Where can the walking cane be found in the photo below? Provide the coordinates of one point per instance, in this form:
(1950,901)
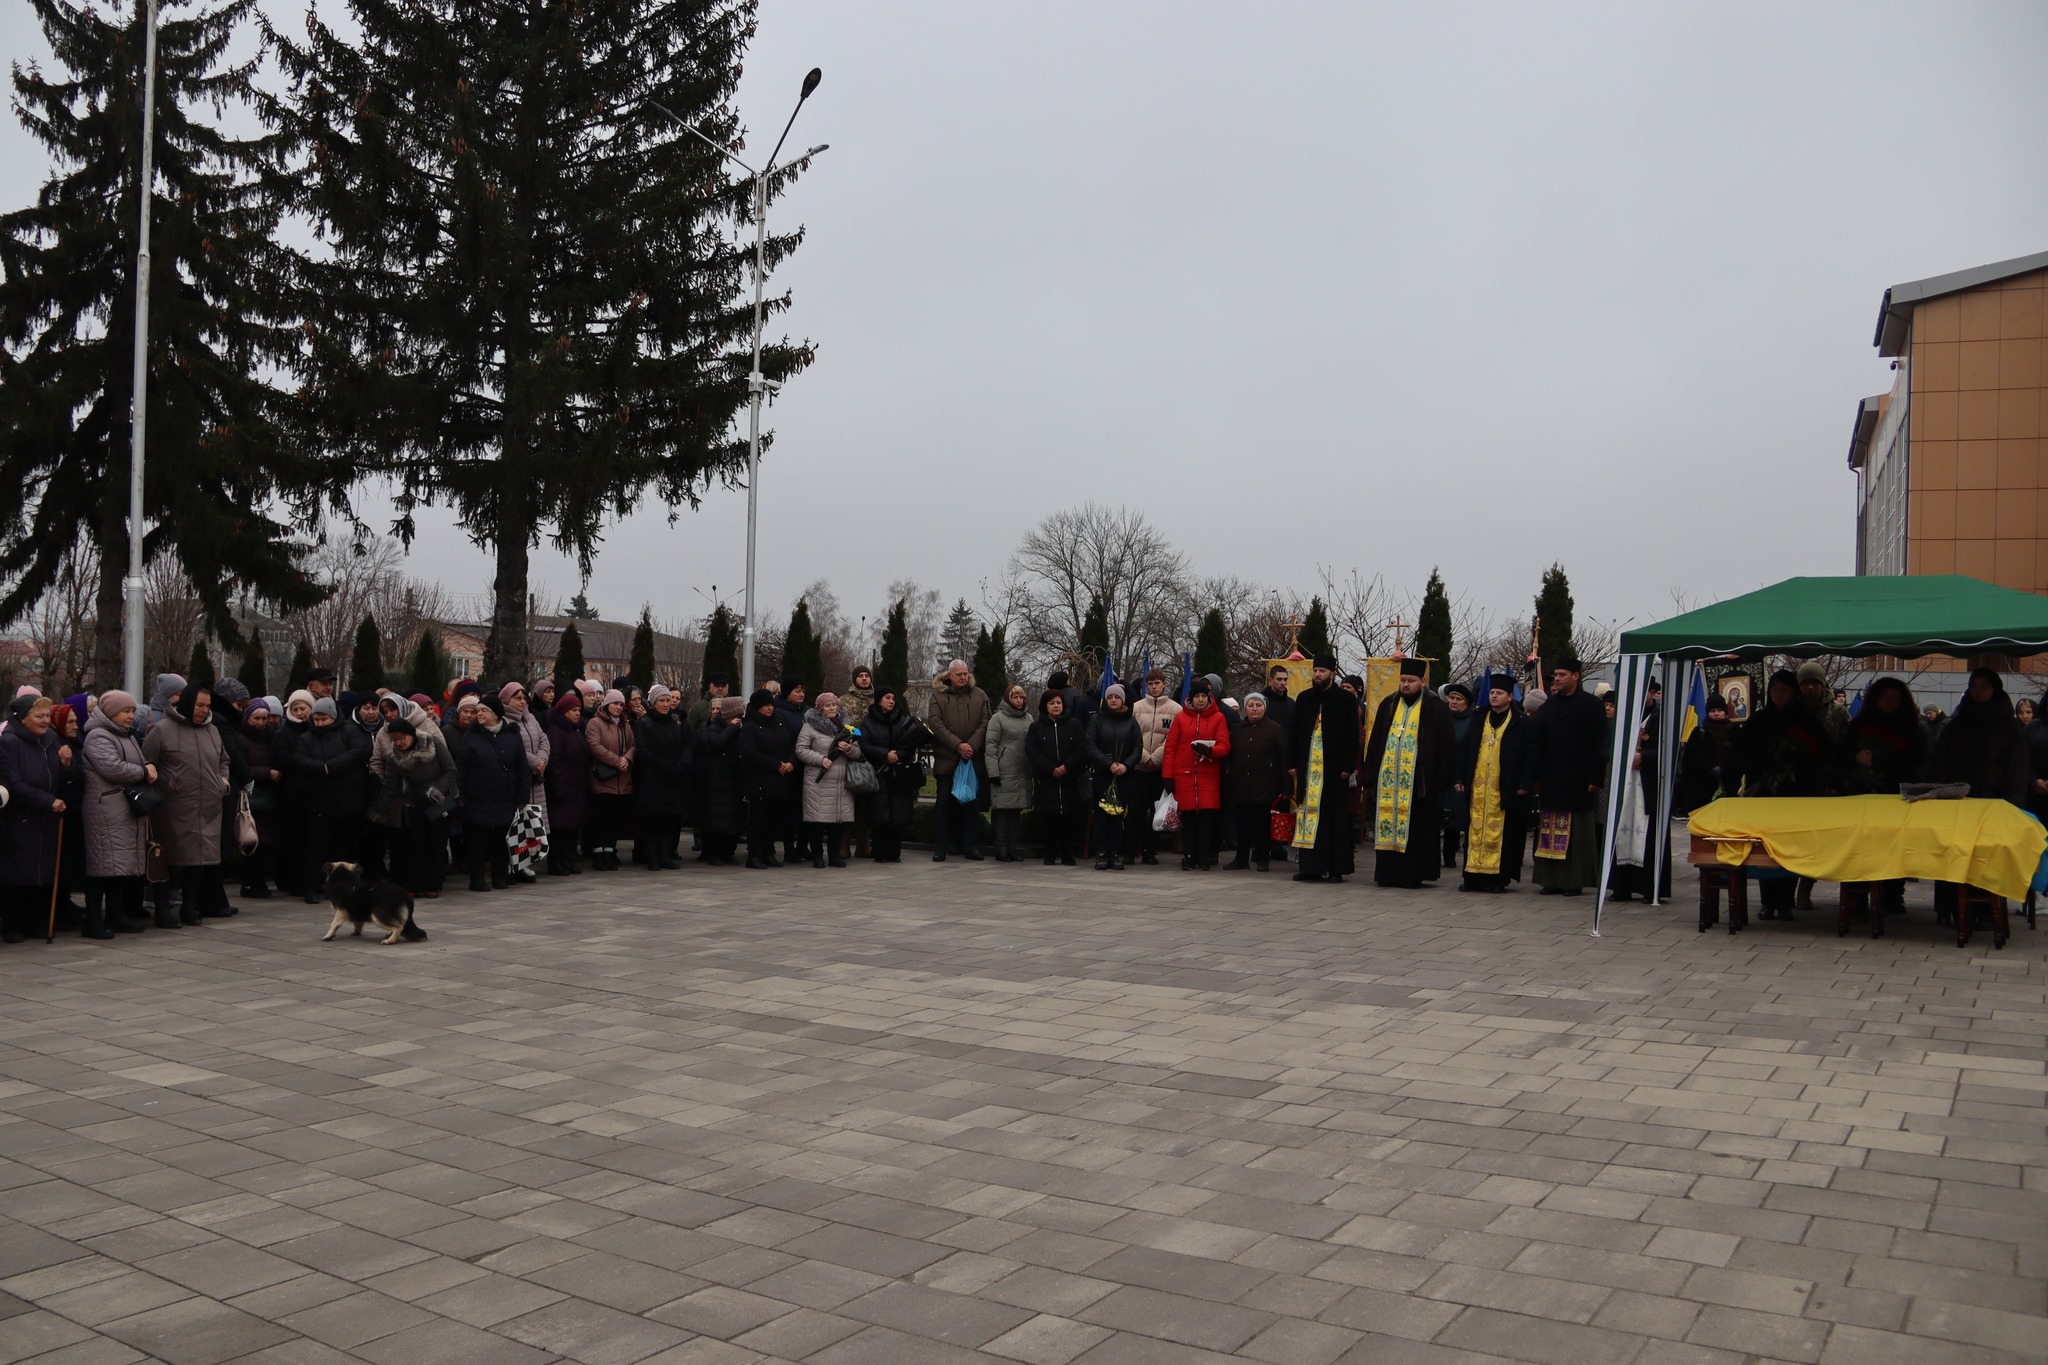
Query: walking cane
(56,876)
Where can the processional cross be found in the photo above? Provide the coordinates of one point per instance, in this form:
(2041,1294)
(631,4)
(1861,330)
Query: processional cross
(1397,625)
(1294,636)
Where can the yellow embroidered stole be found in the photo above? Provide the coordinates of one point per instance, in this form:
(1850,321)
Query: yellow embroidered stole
(1488,830)
(1397,777)
(1312,792)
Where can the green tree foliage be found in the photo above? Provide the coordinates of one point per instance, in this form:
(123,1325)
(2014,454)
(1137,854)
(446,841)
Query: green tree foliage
(721,649)
(1554,615)
(579,609)
(534,305)
(366,663)
(569,663)
(1315,629)
(641,667)
(430,667)
(961,632)
(224,481)
(801,656)
(253,672)
(199,672)
(1433,627)
(1212,647)
(892,670)
(1094,642)
(302,664)
(991,663)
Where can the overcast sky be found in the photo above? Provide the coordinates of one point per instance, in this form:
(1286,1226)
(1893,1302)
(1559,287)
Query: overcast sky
(1376,286)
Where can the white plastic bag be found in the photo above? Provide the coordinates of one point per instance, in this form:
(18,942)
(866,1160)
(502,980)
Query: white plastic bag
(1166,813)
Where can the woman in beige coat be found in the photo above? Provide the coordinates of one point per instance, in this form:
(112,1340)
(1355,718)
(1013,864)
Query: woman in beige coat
(192,769)
(609,734)
(823,747)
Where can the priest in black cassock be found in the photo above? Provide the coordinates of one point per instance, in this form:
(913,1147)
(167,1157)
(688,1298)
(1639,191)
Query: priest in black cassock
(1410,763)
(1325,760)
(1570,768)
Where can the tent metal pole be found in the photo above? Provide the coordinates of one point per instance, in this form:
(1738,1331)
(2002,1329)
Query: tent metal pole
(1629,691)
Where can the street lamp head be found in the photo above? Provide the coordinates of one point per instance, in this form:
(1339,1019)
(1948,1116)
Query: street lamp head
(811,82)
(821,147)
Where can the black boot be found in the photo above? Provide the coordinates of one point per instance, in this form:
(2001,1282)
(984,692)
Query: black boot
(95,917)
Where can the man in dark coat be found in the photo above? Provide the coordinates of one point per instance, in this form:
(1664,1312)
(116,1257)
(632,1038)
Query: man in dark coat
(767,753)
(1325,753)
(663,778)
(1570,742)
(1410,765)
(1279,705)
(789,713)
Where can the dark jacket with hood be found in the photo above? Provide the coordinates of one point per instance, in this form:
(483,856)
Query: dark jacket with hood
(715,764)
(490,764)
(1057,744)
(568,774)
(1896,743)
(904,735)
(1111,737)
(661,765)
(765,744)
(1983,745)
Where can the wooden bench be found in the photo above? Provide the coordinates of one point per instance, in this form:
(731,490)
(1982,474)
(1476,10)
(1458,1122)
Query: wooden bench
(1873,898)
(1717,876)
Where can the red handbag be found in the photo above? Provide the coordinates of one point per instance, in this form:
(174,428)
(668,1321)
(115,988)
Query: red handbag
(1283,820)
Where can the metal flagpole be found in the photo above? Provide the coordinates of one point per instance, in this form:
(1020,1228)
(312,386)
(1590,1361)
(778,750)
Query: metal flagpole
(138,395)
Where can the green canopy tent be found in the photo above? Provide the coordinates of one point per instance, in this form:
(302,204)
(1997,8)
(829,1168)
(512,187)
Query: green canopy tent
(1906,617)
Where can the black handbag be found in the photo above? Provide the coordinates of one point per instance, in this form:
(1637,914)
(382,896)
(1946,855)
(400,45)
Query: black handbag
(603,772)
(143,799)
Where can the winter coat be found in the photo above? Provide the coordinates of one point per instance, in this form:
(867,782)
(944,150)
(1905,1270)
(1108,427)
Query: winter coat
(611,744)
(764,745)
(329,770)
(2037,764)
(1111,737)
(1197,777)
(112,758)
(568,774)
(716,768)
(534,737)
(1057,744)
(826,799)
(423,723)
(661,765)
(1258,764)
(1009,766)
(958,716)
(1897,746)
(284,742)
(1983,744)
(1567,752)
(1280,709)
(490,765)
(417,784)
(1154,718)
(904,735)
(192,768)
(34,778)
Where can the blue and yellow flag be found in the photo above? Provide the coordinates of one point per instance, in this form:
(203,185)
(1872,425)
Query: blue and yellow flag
(1695,705)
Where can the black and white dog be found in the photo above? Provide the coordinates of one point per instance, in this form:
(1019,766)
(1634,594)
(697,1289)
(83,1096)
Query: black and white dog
(384,904)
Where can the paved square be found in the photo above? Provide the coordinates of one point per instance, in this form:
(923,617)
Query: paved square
(928,1114)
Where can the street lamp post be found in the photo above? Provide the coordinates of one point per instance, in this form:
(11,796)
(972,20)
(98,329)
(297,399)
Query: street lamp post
(758,385)
(138,388)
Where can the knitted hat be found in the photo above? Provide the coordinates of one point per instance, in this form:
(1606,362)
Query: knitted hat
(275,705)
(400,727)
(1113,690)
(258,707)
(325,707)
(230,691)
(302,695)
(825,699)
(728,707)
(614,695)
(762,697)
(114,702)
(1812,671)
(657,692)
(511,690)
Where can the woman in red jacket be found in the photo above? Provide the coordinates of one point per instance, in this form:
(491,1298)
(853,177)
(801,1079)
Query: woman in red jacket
(1196,745)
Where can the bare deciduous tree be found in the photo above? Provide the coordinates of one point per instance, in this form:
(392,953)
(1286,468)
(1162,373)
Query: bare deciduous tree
(1082,552)
(66,622)
(1362,612)
(171,617)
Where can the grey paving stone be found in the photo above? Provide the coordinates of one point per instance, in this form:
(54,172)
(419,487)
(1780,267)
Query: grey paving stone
(195,1332)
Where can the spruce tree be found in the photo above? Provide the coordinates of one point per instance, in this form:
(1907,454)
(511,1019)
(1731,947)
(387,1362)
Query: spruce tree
(1315,629)
(302,664)
(568,658)
(1094,642)
(534,306)
(223,476)
(579,609)
(199,672)
(252,673)
(1212,647)
(892,670)
(721,649)
(641,667)
(1433,627)
(801,656)
(366,664)
(1554,617)
(960,634)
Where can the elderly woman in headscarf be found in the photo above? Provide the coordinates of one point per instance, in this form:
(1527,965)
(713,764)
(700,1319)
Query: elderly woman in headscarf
(609,733)
(114,833)
(34,774)
(662,779)
(192,766)
(568,784)
(823,747)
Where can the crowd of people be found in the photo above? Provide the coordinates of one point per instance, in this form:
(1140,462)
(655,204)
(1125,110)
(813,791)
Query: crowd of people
(144,810)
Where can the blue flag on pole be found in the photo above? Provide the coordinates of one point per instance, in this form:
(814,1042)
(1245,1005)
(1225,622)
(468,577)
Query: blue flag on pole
(1108,677)
(1187,676)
